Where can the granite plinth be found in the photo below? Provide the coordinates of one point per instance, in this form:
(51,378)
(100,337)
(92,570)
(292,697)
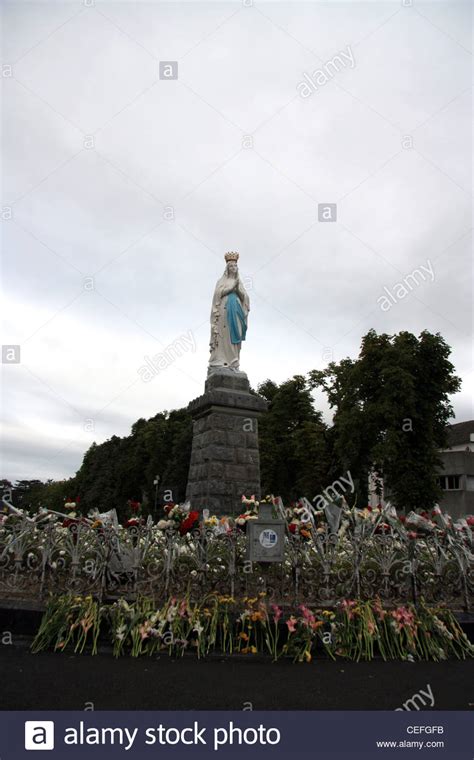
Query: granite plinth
(225,460)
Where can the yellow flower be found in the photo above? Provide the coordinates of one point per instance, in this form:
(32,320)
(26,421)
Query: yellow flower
(307,656)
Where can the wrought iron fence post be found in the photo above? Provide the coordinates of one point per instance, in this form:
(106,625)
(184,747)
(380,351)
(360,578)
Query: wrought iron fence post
(232,563)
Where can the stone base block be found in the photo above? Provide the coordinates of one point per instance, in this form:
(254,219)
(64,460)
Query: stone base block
(225,460)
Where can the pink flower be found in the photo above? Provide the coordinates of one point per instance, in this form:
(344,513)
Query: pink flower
(277,613)
(404,617)
(307,614)
(347,605)
(291,623)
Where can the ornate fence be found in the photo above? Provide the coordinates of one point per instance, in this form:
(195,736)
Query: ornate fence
(108,562)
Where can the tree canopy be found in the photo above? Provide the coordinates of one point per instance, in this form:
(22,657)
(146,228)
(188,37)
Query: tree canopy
(392,408)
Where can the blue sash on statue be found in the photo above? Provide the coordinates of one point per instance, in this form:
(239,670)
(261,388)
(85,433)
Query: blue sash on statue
(236,318)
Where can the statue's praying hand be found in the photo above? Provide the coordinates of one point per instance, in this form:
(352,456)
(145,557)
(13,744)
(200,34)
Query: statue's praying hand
(230,308)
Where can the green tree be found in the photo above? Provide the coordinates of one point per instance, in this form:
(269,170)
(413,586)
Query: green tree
(123,468)
(294,453)
(392,406)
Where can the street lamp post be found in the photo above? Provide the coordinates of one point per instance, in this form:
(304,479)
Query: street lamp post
(156,483)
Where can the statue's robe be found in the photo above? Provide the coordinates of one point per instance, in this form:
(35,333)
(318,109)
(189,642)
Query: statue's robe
(230,307)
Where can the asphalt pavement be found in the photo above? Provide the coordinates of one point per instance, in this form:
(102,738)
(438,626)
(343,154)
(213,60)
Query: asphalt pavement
(55,681)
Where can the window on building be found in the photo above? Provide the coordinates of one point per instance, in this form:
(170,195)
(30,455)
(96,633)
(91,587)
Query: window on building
(450,482)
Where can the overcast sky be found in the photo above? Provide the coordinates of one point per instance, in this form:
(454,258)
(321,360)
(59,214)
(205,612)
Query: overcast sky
(126,190)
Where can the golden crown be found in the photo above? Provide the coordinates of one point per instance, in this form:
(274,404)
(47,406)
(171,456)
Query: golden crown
(231,256)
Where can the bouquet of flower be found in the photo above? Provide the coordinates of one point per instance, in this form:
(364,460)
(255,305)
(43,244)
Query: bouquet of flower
(179,518)
(73,515)
(134,520)
(299,523)
(217,525)
(250,513)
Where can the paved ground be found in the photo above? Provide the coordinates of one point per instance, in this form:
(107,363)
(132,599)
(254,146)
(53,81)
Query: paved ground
(61,681)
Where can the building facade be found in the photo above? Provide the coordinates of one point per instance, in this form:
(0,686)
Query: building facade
(456,476)
(457,472)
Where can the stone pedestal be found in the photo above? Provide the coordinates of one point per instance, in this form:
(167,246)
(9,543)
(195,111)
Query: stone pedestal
(225,461)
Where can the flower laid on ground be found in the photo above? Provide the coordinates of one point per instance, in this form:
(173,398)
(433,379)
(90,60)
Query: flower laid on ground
(354,630)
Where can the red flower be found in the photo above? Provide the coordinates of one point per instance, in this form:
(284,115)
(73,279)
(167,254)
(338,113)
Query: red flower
(292,527)
(189,523)
(412,534)
(168,507)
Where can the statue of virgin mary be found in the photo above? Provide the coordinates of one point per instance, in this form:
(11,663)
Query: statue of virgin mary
(230,308)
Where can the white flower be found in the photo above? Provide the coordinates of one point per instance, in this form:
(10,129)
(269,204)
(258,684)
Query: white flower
(171,613)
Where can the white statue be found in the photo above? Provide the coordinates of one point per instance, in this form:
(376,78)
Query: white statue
(230,308)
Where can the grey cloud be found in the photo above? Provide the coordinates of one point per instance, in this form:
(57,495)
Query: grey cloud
(99,212)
